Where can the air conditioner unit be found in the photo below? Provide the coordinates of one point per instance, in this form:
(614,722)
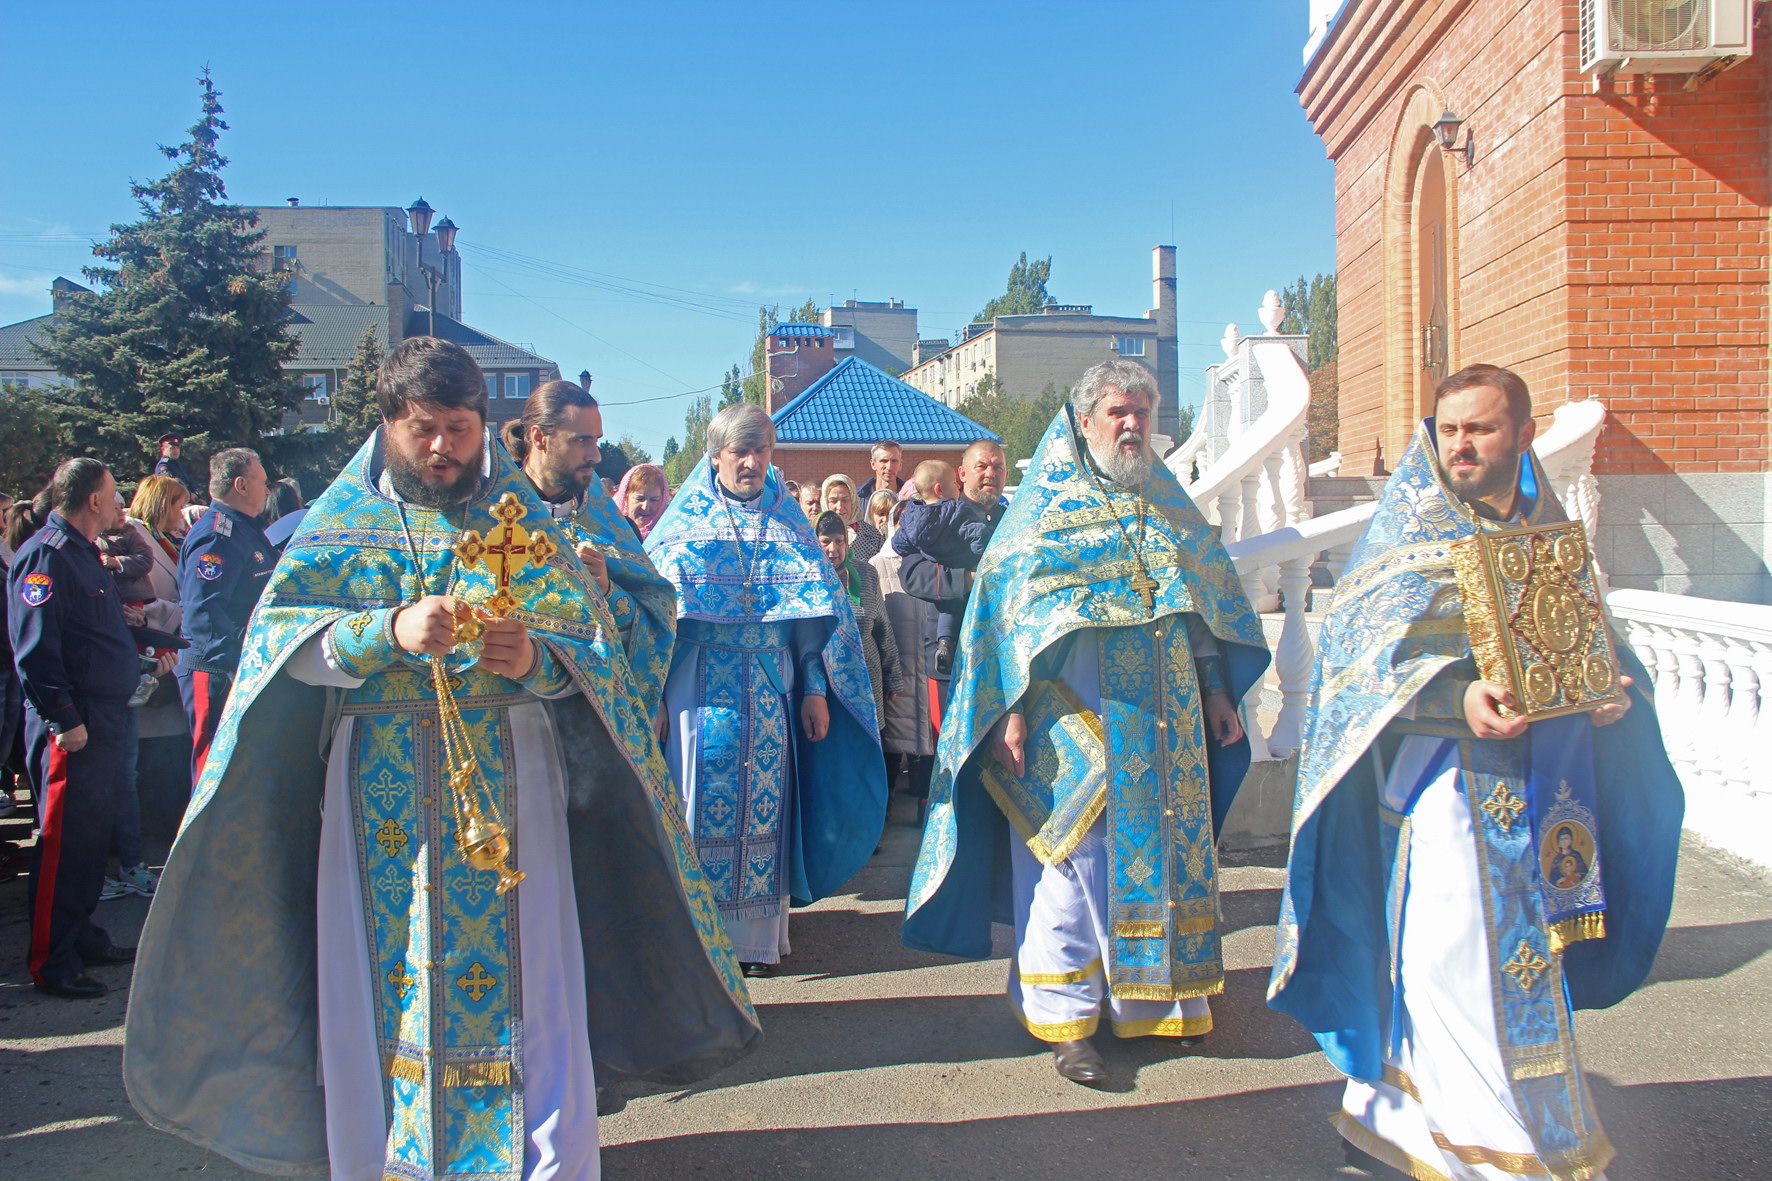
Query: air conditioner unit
(1662,36)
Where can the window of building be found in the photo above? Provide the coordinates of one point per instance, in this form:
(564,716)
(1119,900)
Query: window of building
(16,377)
(492,385)
(1129,346)
(516,385)
(845,338)
(315,384)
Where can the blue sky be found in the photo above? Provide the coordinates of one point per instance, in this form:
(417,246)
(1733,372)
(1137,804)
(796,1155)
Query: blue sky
(632,180)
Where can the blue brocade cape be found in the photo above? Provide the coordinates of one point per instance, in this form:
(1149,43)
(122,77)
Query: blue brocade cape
(1058,564)
(1396,623)
(839,807)
(221,1045)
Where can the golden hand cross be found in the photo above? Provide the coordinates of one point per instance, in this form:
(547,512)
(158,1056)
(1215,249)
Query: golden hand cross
(504,551)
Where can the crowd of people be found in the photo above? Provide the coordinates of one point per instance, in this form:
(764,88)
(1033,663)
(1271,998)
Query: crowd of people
(470,673)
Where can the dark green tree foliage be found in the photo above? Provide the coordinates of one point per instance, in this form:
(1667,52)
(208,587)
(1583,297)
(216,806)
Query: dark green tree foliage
(731,387)
(615,462)
(695,434)
(636,454)
(670,450)
(1026,292)
(1019,421)
(188,331)
(1310,308)
(30,441)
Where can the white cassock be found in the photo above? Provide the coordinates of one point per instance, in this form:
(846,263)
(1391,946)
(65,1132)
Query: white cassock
(1057,977)
(559,1090)
(1445,1099)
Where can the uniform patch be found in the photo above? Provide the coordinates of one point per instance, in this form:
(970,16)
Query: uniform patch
(224,526)
(209,567)
(36,589)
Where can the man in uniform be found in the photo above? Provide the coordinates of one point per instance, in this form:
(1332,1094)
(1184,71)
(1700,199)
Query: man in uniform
(222,568)
(335,973)
(169,463)
(77,661)
(1093,708)
(1422,937)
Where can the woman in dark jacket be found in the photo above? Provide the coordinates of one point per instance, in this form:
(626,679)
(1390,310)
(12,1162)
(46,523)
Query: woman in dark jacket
(909,729)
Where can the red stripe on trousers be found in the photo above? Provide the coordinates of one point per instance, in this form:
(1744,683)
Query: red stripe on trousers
(49,837)
(203,731)
(935,706)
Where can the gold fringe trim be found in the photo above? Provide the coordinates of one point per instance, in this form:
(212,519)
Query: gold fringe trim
(1056,1031)
(407,1070)
(1060,852)
(1164,1027)
(477,1074)
(1357,1134)
(1540,1068)
(1577,928)
(1077,977)
(1138,929)
(1401,1081)
(1197,926)
(1165,992)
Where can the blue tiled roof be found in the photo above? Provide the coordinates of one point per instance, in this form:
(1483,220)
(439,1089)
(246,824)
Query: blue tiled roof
(803,330)
(855,403)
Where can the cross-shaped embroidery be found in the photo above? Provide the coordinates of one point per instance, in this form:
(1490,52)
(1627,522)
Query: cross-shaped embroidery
(1503,806)
(1526,966)
(391,837)
(401,979)
(476,982)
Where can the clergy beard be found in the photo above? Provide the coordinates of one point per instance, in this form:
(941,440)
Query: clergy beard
(1131,470)
(411,485)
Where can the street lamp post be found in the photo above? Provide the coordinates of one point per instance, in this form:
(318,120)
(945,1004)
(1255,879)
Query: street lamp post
(419,213)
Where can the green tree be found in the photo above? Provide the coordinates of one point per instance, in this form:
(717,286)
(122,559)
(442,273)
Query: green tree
(1310,308)
(731,387)
(636,454)
(1025,293)
(188,332)
(670,450)
(354,416)
(615,462)
(695,432)
(1019,422)
(30,440)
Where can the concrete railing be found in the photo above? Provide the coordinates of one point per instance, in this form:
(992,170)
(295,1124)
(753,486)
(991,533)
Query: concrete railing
(1711,663)
(1565,449)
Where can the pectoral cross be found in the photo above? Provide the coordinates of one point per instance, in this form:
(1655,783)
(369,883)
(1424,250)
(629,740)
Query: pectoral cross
(1146,587)
(504,551)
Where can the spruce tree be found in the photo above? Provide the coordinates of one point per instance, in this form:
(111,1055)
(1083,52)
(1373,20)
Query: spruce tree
(188,331)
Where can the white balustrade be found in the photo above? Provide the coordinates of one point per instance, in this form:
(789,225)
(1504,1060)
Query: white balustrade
(1711,664)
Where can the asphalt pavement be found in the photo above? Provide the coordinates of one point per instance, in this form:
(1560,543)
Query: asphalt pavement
(880,1062)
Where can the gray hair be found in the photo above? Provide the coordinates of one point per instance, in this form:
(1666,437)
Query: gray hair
(743,425)
(1129,377)
(227,466)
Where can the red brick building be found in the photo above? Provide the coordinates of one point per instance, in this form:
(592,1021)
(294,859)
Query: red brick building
(1606,235)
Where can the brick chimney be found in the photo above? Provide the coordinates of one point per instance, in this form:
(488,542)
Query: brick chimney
(61,289)
(795,356)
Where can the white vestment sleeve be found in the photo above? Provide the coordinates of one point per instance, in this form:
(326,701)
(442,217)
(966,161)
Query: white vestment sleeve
(314,663)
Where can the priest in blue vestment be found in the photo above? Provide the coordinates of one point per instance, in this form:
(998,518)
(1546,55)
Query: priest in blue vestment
(771,722)
(1436,934)
(1092,745)
(330,977)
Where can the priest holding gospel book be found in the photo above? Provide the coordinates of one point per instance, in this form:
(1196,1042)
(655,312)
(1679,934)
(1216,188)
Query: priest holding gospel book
(1468,865)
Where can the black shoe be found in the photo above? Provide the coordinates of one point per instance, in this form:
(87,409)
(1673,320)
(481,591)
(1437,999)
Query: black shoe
(757,971)
(111,954)
(609,1101)
(80,988)
(1079,1062)
(1363,1164)
(944,657)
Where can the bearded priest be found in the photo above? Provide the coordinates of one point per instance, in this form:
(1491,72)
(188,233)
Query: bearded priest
(326,981)
(1093,746)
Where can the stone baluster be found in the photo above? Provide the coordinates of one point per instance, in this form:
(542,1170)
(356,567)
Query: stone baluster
(1228,505)
(1738,754)
(1336,559)
(1760,737)
(1293,658)
(1687,701)
(1710,753)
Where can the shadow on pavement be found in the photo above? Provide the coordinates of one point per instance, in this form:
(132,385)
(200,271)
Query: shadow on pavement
(1707,953)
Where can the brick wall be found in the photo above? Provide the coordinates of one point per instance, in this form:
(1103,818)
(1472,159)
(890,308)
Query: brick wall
(802,466)
(1609,244)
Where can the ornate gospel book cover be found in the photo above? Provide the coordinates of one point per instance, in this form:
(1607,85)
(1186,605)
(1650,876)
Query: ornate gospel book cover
(1536,620)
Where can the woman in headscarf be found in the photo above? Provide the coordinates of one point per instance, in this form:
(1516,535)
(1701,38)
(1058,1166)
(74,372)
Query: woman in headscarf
(878,648)
(839,497)
(642,495)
